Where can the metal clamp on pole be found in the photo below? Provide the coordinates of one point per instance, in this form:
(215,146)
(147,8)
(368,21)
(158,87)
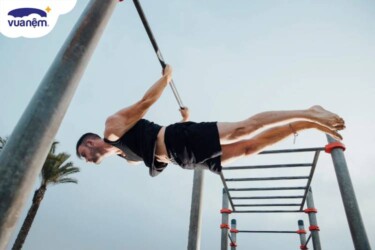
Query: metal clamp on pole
(310,210)
(225,211)
(233,244)
(332,145)
(314,228)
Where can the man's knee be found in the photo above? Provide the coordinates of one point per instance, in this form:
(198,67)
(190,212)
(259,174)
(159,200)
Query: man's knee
(237,133)
(244,129)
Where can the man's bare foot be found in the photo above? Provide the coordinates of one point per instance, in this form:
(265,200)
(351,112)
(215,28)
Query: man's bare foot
(330,132)
(326,118)
(302,125)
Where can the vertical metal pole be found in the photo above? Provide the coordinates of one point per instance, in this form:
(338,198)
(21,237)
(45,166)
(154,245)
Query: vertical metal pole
(302,234)
(313,221)
(22,158)
(233,234)
(196,211)
(224,222)
(349,199)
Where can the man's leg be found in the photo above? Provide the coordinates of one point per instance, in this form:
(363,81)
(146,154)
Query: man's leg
(230,132)
(267,138)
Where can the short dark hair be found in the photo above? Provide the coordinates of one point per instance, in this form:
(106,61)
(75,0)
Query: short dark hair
(83,139)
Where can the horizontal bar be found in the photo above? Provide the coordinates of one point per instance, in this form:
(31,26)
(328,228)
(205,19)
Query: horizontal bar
(267,197)
(292,150)
(268,211)
(269,205)
(265,189)
(269,178)
(297,165)
(271,232)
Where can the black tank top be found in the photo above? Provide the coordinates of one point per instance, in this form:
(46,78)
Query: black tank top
(139,143)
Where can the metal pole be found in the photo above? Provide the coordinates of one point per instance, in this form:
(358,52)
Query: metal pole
(196,211)
(226,188)
(195,214)
(22,158)
(312,170)
(302,234)
(156,48)
(224,222)
(313,221)
(353,214)
(233,234)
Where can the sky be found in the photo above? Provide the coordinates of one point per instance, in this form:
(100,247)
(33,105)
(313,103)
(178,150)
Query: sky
(231,59)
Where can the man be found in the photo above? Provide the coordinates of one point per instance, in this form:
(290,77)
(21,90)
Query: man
(209,144)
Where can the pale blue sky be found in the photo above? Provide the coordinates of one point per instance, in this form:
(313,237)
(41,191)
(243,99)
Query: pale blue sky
(230,60)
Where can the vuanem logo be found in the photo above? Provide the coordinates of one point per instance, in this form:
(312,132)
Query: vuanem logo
(26,12)
(31,18)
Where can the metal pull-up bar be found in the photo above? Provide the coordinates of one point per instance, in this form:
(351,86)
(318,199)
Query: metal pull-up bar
(156,49)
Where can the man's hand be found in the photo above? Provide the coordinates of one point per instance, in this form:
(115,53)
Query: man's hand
(185,114)
(167,72)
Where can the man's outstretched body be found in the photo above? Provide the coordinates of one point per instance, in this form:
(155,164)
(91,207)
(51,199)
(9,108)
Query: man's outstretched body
(187,144)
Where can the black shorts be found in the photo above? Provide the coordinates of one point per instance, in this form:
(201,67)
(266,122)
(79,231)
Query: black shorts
(190,144)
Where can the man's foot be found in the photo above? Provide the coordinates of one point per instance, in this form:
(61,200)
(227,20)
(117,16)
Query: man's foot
(299,126)
(330,132)
(326,118)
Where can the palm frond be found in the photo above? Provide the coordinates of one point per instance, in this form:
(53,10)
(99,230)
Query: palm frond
(67,180)
(55,170)
(53,147)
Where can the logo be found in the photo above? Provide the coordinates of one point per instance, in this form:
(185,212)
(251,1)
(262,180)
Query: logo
(26,12)
(31,18)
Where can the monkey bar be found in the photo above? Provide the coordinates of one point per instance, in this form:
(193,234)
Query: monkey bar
(231,194)
(335,148)
(301,198)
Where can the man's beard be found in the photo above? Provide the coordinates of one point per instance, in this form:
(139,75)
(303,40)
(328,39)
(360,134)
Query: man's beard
(96,155)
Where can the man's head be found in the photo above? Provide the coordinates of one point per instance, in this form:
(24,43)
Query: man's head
(91,147)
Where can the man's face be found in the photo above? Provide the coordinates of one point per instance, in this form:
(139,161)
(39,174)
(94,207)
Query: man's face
(91,153)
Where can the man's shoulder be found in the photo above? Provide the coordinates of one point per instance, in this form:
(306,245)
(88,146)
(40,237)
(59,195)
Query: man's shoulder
(115,127)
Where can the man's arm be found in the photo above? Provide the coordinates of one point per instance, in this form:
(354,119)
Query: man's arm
(119,123)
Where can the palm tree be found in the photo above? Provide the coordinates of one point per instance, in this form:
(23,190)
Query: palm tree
(55,171)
